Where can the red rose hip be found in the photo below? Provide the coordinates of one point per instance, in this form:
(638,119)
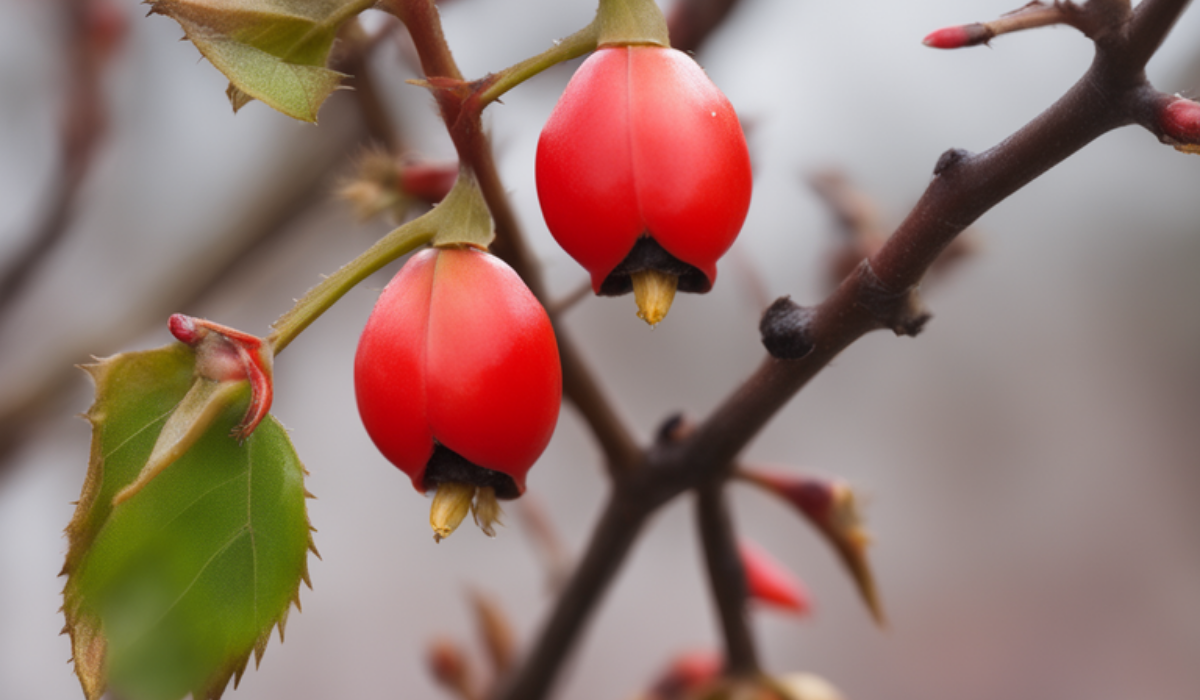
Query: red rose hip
(643,174)
(458,381)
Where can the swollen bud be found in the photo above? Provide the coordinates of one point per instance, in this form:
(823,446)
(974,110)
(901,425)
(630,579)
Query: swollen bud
(384,185)
(1180,122)
(832,507)
(448,665)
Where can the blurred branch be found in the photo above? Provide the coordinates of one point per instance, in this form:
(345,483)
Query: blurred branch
(531,511)
(727,578)
(628,508)
(561,306)
(93,30)
(691,22)
(299,184)
(355,60)
(862,229)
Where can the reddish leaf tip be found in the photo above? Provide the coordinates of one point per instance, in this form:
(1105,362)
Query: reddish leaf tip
(770,583)
(958,37)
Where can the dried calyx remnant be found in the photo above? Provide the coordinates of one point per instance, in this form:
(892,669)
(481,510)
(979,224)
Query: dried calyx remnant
(653,275)
(463,486)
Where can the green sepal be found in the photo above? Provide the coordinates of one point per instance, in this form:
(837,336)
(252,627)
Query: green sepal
(630,23)
(275,51)
(170,591)
(463,218)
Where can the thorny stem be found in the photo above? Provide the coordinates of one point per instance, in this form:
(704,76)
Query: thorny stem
(318,299)
(459,218)
(573,46)
(727,577)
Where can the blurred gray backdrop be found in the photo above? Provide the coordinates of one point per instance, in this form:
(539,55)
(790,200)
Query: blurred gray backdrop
(1031,462)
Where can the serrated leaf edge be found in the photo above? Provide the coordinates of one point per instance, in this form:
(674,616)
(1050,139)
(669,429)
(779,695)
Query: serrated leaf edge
(237,666)
(88,645)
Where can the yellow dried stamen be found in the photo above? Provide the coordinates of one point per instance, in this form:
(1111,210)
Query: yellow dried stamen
(450,506)
(486,510)
(653,291)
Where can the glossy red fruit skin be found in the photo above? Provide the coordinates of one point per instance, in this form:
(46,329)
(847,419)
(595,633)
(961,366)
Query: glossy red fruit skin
(642,143)
(459,351)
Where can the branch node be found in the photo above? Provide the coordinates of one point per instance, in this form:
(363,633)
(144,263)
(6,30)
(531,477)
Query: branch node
(676,428)
(903,312)
(786,329)
(949,159)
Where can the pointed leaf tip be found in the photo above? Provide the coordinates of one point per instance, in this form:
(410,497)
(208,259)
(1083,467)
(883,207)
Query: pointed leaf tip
(769,582)
(833,508)
(275,52)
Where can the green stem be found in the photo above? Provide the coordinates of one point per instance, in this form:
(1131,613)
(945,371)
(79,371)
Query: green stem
(576,45)
(318,299)
(461,219)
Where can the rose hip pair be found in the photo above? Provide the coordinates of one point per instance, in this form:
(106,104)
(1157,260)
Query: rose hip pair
(643,174)
(644,178)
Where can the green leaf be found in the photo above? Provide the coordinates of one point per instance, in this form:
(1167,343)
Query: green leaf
(271,50)
(170,591)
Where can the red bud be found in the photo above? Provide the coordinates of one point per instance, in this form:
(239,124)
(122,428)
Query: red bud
(448,664)
(959,37)
(1180,122)
(428,181)
(227,354)
(688,673)
(769,582)
(832,507)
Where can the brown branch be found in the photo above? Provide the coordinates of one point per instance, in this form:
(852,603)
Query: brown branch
(629,507)
(560,306)
(1152,21)
(545,538)
(728,579)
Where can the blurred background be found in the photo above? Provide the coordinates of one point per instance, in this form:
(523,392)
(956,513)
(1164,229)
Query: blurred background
(1031,462)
